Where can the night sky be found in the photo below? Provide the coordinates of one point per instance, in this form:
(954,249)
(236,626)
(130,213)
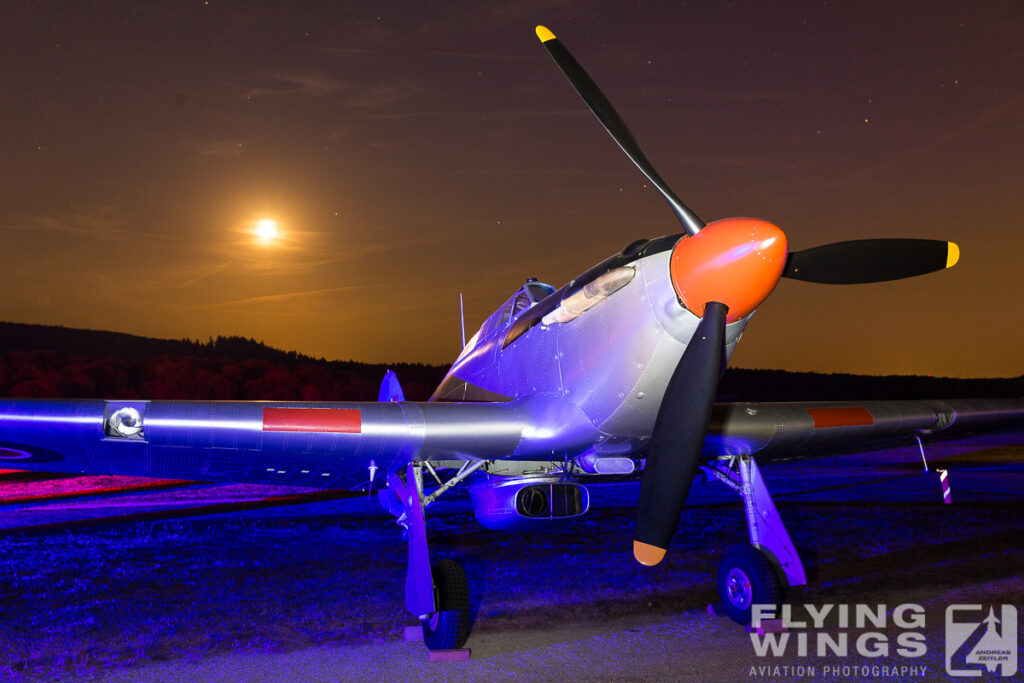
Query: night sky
(409,151)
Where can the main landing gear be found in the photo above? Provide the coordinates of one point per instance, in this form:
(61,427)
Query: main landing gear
(437,595)
(448,627)
(759,573)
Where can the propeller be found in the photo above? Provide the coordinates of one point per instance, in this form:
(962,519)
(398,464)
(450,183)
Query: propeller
(861,261)
(721,272)
(674,450)
(841,263)
(616,127)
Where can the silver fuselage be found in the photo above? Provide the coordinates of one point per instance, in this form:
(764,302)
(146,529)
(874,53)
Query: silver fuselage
(609,366)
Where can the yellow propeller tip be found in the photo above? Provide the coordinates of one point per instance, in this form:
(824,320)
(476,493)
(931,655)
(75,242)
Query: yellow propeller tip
(952,254)
(647,554)
(544,34)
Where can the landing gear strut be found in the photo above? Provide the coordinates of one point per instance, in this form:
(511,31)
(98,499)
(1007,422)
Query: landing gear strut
(438,596)
(759,573)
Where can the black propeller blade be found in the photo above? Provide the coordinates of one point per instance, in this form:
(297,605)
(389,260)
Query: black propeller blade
(862,261)
(674,451)
(616,127)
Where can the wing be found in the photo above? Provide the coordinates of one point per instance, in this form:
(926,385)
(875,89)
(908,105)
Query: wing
(332,445)
(776,431)
(308,444)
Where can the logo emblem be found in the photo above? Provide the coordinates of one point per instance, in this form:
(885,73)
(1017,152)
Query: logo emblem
(976,641)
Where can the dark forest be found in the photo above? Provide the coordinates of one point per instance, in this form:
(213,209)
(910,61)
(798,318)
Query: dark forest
(39,361)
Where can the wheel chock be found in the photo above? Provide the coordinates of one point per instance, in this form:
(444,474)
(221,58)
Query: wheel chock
(715,609)
(768,626)
(413,634)
(461,655)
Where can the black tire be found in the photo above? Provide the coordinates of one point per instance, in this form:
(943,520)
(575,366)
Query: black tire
(746,577)
(448,628)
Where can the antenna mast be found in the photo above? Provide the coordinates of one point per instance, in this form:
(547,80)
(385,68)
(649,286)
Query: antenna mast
(462,320)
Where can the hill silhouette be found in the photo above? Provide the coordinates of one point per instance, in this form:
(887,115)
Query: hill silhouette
(71,341)
(46,361)
(49,361)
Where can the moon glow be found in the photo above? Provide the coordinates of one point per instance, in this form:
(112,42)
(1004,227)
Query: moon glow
(266,230)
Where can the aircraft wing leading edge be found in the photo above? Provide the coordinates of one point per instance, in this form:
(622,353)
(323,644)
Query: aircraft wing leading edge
(779,431)
(309,444)
(332,445)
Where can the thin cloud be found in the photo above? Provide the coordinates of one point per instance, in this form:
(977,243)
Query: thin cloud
(305,254)
(202,276)
(222,148)
(486,56)
(98,224)
(927,146)
(85,224)
(289,296)
(475,113)
(704,95)
(380,96)
(303,83)
(340,50)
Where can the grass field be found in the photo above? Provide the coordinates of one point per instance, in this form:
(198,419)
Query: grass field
(82,602)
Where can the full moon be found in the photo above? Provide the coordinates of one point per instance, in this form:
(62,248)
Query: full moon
(266,230)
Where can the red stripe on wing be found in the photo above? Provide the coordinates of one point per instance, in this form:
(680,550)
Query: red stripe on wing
(840,417)
(339,420)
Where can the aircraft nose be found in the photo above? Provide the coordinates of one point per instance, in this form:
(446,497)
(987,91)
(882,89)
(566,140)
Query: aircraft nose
(735,261)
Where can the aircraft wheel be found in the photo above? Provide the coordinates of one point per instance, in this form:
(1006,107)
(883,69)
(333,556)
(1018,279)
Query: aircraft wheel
(448,628)
(745,578)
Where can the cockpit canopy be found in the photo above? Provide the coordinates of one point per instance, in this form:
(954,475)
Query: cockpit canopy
(527,296)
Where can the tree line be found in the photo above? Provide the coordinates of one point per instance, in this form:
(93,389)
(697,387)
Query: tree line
(38,361)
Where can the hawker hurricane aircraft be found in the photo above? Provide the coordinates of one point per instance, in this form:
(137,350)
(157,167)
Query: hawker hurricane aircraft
(613,373)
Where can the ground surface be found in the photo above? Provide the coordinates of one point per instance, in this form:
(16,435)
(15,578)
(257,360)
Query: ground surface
(313,590)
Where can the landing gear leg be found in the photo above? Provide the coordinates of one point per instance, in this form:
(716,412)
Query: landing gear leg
(759,573)
(438,596)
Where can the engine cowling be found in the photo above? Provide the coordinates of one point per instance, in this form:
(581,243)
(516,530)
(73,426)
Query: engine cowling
(532,503)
